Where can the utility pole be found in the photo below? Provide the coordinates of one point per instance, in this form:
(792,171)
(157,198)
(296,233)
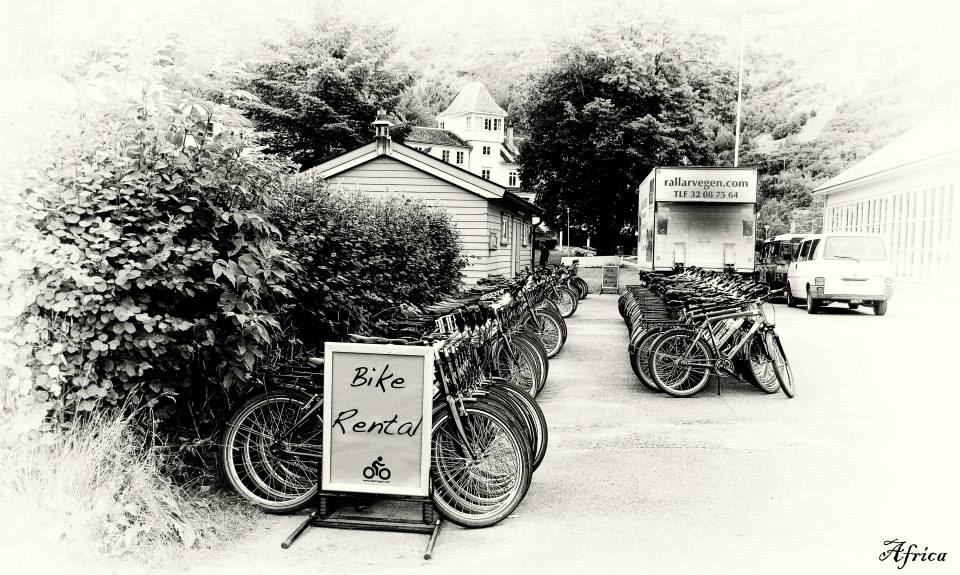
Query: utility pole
(568,227)
(736,138)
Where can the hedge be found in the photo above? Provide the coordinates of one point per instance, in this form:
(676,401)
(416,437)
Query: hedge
(175,260)
(359,257)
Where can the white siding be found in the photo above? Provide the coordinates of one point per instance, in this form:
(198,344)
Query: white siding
(386,176)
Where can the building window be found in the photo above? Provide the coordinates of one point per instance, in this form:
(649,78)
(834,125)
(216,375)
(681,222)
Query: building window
(512,179)
(485,173)
(526,234)
(486,150)
(468,122)
(486,123)
(445,156)
(459,157)
(496,124)
(504,228)
(441,126)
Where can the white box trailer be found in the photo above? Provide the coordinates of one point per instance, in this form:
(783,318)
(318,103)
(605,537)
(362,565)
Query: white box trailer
(697,216)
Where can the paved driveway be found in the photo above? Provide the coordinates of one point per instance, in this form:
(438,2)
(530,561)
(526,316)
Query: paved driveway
(737,483)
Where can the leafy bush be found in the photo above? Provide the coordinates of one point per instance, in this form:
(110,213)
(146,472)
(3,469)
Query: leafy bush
(359,256)
(159,267)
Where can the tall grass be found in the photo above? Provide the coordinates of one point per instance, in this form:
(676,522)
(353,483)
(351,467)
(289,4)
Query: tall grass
(100,486)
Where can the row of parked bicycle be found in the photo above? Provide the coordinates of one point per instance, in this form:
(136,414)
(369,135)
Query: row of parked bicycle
(687,327)
(492,347)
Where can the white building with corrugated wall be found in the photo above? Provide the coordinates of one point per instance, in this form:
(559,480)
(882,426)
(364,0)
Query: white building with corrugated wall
(908,193)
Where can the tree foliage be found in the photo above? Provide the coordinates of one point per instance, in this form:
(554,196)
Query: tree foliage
(319,94)
(607,111)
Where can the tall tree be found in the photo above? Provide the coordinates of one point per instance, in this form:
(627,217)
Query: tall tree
(318,96)
(608,110)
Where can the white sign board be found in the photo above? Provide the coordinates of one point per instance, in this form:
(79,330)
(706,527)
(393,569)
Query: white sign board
(728,185)
(377,418)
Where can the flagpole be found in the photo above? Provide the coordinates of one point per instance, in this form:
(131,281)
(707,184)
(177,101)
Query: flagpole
(736,143)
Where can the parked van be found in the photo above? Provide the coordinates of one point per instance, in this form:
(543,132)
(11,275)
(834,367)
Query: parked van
(775,256)
(850,268)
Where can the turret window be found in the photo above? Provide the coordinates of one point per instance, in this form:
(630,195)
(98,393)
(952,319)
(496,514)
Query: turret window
(486,123)
(496,124)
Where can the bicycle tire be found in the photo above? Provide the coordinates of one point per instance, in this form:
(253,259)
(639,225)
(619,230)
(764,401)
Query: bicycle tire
(566,301)
(270,481)
(537,344)
(673,379)
(539,420)
(756,366)
(556,315)
(550,333)
(485,493)
(523,370)
(582,287)
(639,359)
(781,366)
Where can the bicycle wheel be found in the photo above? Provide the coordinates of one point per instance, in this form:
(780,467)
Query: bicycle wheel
(781,367)
(536,418)
(552,311)
(566,301)
(665,362)
(582,287)
(639,359)
(519,365)
(252,455)
(757,367)
(550,332)
(537,345)
(479,490)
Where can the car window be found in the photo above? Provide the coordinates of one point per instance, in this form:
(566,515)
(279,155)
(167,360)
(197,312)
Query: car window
(804,250)
(854,247)
(813,249)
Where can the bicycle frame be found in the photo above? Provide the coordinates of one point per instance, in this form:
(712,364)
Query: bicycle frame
(708,322)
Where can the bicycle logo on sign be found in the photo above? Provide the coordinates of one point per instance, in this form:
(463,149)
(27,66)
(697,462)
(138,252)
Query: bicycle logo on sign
(377,469)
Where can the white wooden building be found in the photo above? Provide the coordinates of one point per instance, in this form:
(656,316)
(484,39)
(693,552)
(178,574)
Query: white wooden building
(909,192)
(495,225)
(472,133)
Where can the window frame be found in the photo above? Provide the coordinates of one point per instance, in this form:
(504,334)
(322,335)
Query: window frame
(485,150)
(445,156)
(512,178)
(488,173)
(504,229)
(459,156)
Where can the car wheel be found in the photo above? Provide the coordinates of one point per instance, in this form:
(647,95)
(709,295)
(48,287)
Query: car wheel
(879,308)
(811,303)
(853,305)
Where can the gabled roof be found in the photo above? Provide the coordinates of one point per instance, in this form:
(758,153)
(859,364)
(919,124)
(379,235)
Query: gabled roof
(426,163)
(473,98)
(434,137)
(921,143)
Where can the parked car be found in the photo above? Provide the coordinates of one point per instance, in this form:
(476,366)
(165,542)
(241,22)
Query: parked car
(850,268)
(774,258)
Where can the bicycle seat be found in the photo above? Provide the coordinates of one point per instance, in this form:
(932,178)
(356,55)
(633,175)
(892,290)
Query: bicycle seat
(355,338)
(315,361)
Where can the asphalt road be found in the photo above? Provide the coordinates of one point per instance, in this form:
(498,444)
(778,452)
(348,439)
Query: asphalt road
(740,482)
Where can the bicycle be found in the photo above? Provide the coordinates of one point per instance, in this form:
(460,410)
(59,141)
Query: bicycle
(683,358)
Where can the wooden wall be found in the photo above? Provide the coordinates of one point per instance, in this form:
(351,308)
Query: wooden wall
(468,211)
